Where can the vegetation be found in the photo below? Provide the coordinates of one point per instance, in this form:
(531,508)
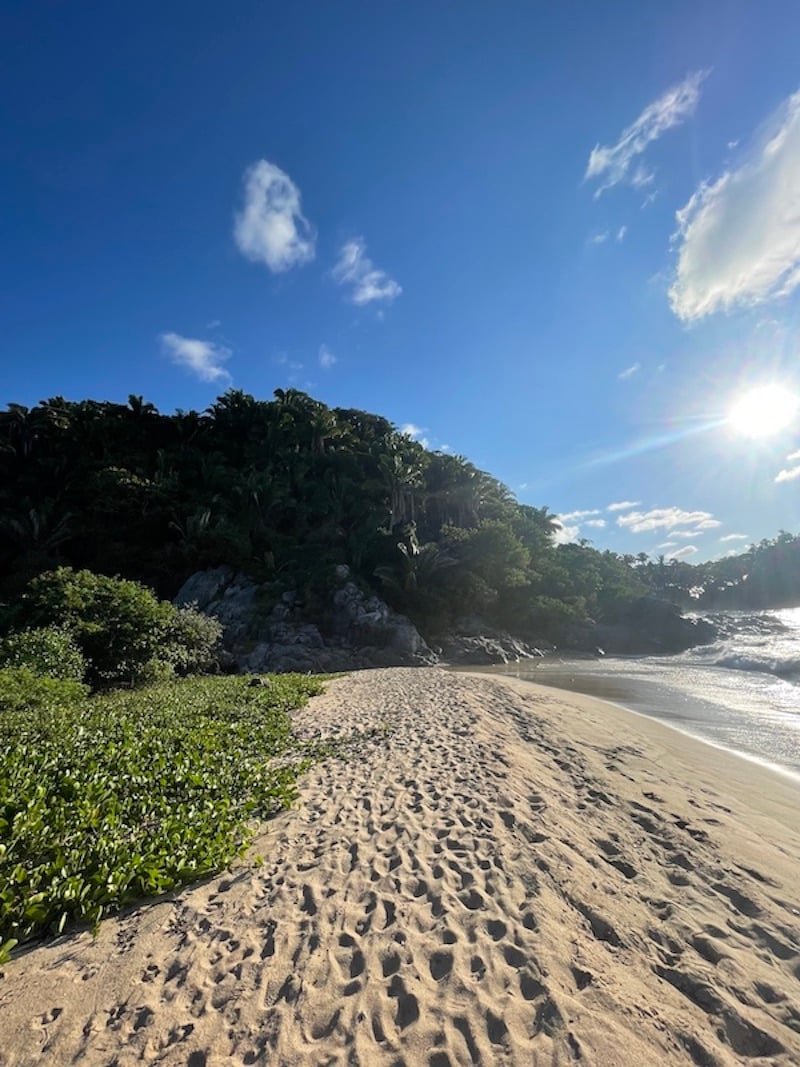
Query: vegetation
(110,798)
(283,490)
(51,651)
(765,575)
(114,631)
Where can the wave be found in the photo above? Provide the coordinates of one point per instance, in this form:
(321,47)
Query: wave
(788,669)
(766,642)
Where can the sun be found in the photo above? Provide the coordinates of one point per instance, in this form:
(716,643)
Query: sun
(764,411)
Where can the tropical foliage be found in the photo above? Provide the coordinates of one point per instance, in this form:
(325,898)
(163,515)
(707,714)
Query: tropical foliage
(281,489)
(113,631)
(285,488)
(110,798)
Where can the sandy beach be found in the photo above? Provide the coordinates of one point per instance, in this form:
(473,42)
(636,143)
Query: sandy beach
(497,874)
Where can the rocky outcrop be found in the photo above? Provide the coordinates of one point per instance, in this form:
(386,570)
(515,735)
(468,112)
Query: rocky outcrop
(261,635)
(649,626)
(474,642)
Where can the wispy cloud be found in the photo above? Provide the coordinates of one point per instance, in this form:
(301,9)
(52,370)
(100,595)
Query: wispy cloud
(612,164)
(623,505)
(326,357)
(356,269)
(739,238)
(734,537)
(270,227)
(788,474)
(667,519)
(682,553)
(621,233)
(668,544)
(599,238)
(416,433)
(572,522)
(571,516)
(629,372)
(202,358)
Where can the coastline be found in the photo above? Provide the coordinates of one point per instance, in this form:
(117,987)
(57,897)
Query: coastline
(747,714)
(501,872)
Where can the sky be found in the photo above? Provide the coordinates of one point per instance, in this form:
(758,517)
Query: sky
(562,240)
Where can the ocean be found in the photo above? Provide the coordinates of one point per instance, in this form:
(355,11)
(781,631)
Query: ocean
(741,693)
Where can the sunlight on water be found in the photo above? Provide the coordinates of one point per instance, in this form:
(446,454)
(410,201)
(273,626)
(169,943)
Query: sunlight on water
(742,692)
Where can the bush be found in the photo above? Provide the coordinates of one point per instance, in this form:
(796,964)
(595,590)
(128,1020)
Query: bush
(49,651)
(24,691)
(192,641)
(120,626)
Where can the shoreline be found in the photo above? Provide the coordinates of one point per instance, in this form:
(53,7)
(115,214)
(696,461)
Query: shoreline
(729,710)
(769,766)
(500,872)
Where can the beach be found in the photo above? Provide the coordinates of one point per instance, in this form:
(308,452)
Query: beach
(494,873)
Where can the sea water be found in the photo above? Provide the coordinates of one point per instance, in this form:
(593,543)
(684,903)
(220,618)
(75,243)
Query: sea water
(741,693)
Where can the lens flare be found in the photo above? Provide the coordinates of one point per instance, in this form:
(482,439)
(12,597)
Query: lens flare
(764,411)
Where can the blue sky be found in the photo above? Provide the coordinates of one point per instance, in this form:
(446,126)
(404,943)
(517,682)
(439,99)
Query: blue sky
(560,239)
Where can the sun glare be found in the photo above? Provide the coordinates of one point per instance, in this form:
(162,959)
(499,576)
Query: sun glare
(763,411)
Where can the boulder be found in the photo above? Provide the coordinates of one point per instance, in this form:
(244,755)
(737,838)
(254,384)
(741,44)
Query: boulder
(476,643)
(361,631)
(649,626)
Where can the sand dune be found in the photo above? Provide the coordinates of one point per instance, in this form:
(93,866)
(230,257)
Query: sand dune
(498,874)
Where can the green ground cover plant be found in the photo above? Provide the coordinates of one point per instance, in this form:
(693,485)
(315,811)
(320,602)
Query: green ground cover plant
(111,798)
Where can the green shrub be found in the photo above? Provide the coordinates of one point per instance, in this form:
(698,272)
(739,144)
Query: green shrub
(133,793)
(192,641)
(120,626)
(48,650)
(22,690)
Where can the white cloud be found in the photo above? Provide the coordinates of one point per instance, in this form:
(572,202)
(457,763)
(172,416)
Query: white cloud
(416,433)
(570,516)
(369,283)
(623,505)
(682,553)
(793,457)
(202,358)
(687,534)
(599,238)
(599,523)
(666,519)
(788,474)
(642,177)
(271,228)
(734,537)
(621,233)
(668,544)
(566,534)
(708,524)
(739,238)
(629,372)
(611,164)
(326,357)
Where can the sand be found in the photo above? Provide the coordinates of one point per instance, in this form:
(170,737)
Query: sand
(500,874)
